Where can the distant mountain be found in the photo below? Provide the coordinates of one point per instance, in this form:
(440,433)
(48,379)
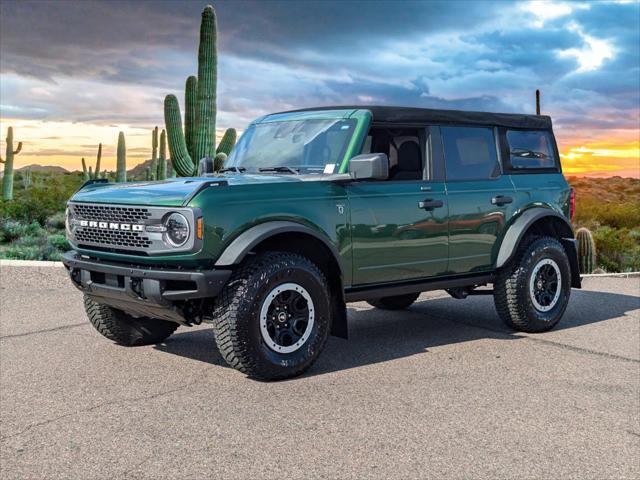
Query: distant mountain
(43,168)
(140,170)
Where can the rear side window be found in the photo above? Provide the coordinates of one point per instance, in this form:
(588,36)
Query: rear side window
(470,153)
(530,149)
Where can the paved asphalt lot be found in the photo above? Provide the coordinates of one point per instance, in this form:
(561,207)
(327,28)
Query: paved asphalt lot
(442,390)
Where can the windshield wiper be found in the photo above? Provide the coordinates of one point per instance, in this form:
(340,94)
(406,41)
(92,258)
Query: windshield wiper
(284,169)
(233,169)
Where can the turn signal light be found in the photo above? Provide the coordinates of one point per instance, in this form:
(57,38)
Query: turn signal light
(199,228)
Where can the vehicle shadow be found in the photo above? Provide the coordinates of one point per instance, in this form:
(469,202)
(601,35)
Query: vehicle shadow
(377,336)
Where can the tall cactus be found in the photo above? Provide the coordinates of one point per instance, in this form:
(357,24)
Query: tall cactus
(198,140)
(190,95)
(162,159)
(89,174)
(7,182)
(85,172)
(586,250)
(26,178)
(121,164)
(154,154)
(228,141)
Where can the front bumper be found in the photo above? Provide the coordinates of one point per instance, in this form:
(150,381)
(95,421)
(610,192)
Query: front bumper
(143,291)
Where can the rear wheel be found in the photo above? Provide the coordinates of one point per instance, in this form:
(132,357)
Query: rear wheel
(272,319)
(398,302)
(125,329)
(531,293)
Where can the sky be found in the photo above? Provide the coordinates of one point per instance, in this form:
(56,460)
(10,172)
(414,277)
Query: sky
(75,73)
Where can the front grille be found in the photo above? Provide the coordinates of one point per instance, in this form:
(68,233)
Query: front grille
(115,238)
(111,213)
(128,229)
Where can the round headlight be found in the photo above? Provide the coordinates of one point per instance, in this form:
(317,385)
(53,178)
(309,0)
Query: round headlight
(177,229)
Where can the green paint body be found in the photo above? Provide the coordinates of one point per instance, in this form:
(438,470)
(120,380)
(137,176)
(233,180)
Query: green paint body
(376,227)
(586,250)
(121,160)
(7,179)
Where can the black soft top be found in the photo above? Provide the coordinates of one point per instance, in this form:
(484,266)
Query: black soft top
(388,114)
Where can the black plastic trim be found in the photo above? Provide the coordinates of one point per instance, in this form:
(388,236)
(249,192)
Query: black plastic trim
(235,252)
(423,285)
(157,301)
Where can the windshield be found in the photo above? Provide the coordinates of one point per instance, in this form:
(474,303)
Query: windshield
(304,146)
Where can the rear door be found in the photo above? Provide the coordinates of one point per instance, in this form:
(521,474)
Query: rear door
(481,198)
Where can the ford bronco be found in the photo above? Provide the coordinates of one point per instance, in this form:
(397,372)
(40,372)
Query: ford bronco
(316,208)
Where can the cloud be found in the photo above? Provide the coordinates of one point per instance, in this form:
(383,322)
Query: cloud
(112,63)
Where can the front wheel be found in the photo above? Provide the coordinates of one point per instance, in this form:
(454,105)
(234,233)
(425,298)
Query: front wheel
(273,318)
(531,293)
(125,329)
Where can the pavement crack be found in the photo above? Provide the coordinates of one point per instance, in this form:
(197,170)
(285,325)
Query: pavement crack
(98,406)
(551,343)
(587,351)
(44,330)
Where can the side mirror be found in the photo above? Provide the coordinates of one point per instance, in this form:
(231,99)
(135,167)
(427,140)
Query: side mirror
(369,166)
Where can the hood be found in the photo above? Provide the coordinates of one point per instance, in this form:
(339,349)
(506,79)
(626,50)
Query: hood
(176,191)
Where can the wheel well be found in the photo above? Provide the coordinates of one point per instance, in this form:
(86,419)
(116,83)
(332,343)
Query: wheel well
(550,226)
(315,250)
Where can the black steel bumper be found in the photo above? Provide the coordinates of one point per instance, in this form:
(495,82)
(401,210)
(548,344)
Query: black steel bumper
(144,291)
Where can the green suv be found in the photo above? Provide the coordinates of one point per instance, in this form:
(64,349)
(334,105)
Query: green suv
(316,208)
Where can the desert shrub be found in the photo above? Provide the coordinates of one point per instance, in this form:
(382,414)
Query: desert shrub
(22,253)
(618,250)
(12,230)
(30,241)
(47,196)
(59,242)
(56,221)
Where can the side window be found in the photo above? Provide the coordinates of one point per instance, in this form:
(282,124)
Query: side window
(470,153)
(530,149)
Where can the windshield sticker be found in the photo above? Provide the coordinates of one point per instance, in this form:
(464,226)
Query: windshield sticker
(329,168)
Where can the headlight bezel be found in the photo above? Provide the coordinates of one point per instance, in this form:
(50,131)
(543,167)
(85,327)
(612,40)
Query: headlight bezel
(167,234)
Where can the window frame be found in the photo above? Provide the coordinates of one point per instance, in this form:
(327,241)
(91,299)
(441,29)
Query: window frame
(496,144)
(430,173)
(506,153)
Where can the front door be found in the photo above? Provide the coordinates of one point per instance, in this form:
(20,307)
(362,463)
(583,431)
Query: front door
(399,227)
(481,199)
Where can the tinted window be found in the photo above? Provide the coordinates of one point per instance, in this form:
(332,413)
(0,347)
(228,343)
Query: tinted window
(470,153)
(529,149)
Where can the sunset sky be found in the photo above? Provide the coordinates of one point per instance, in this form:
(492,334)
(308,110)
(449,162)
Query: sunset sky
(74,73)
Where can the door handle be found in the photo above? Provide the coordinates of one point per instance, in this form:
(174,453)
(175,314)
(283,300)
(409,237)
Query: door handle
(430,204)
(501,200)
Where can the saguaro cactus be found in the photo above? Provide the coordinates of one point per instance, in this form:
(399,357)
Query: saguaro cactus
(154,154)
(198,140)
(228,141)
(89,174)
(7,182)
(162,159)
(121,164)
(26,178)
(586,250)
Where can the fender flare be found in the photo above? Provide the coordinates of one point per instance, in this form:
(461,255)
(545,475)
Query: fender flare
(519,227)
(238,249)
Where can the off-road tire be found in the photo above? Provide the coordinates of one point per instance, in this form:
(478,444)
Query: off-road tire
(237,313)
(512,296)
(123,328)
(398,302)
